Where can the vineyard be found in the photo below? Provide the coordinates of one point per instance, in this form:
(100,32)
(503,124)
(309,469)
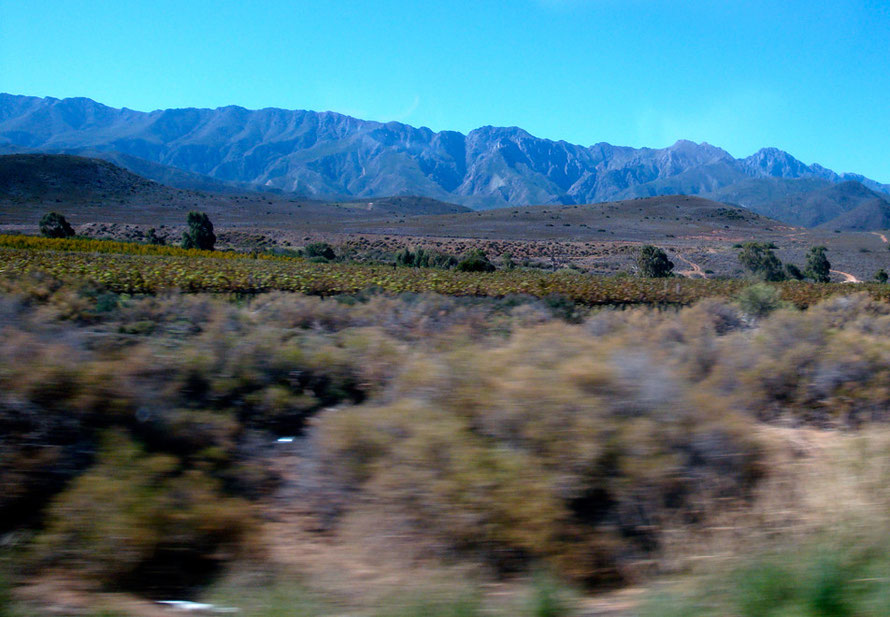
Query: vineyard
(133,268)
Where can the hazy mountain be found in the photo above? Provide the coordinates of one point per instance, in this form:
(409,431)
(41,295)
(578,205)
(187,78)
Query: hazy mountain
(329,154)
(869,215)
(808,204)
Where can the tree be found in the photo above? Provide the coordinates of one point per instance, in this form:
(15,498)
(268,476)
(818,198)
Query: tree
(653,262)
(200,232)
(153,237)
(793,272)
(881,276)
(321,250)
(475,261)
(818,267)
(54,225)
(759,259)
(406,258)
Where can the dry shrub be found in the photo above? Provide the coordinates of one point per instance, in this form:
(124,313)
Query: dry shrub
(553,446)
(488,426)
(142,520)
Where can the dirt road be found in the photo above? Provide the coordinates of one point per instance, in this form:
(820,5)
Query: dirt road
(848,278)
(695,269)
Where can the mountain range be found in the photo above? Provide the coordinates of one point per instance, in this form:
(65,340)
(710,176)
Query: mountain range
(329,155)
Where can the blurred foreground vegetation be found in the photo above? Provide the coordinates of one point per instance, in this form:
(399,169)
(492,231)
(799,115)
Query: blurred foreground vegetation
(517,433)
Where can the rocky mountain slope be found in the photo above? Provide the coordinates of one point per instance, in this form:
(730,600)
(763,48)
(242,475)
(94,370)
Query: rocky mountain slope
(822,205)
(329,154)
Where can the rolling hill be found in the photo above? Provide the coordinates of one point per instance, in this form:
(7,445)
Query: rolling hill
(89,189)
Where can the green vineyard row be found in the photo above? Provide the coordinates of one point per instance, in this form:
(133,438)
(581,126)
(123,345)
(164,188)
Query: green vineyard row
(168,268)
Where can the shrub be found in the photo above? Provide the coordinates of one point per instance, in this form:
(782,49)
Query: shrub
(759,259)
(881,276)
(653,262)
(475,261)
(54,225)
(424,258)
(818,267)
(141,520)
(759,300)
(548,597)
(153,238)
(405,258)
(546,448)
(811,581)
(792,272)
(200,232)
(321,250)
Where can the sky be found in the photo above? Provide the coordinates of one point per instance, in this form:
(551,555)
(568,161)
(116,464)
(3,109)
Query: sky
(811,78)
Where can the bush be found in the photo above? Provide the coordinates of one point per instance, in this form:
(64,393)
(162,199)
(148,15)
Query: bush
(792,272)
(548,598)
(141,520)
(547,448)
(153,238)
(818,267)
(424,258)
(759,300)
(405,258)
(321,250)
(653,262)
(54,225)
(881,276)
(200,232)
(807,582)
(759,259)
(475,261)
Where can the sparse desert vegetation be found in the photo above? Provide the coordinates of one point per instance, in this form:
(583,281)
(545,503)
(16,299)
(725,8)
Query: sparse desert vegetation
(436,309)
(373,424)
(491,435)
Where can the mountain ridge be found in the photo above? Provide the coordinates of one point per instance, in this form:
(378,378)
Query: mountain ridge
(320,154)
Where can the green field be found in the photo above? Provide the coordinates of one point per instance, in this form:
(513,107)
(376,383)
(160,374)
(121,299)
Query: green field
(137,268)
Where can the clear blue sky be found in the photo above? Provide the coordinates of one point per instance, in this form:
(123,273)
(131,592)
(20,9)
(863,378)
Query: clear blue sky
(812,78)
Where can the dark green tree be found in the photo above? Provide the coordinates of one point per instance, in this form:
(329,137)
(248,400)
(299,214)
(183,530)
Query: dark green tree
(793,272)
(435,259)
(818,267)
(881,276)
(54,225)
(653,262)
(153,237)
(406,258)
(200,232)
(321,250)
(424,258)
(759,259)
(475,261)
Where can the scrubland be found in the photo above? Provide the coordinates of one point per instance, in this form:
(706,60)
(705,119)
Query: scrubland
(423,454)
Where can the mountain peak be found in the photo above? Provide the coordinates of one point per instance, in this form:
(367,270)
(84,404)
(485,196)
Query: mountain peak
(775,163)
(328,153)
